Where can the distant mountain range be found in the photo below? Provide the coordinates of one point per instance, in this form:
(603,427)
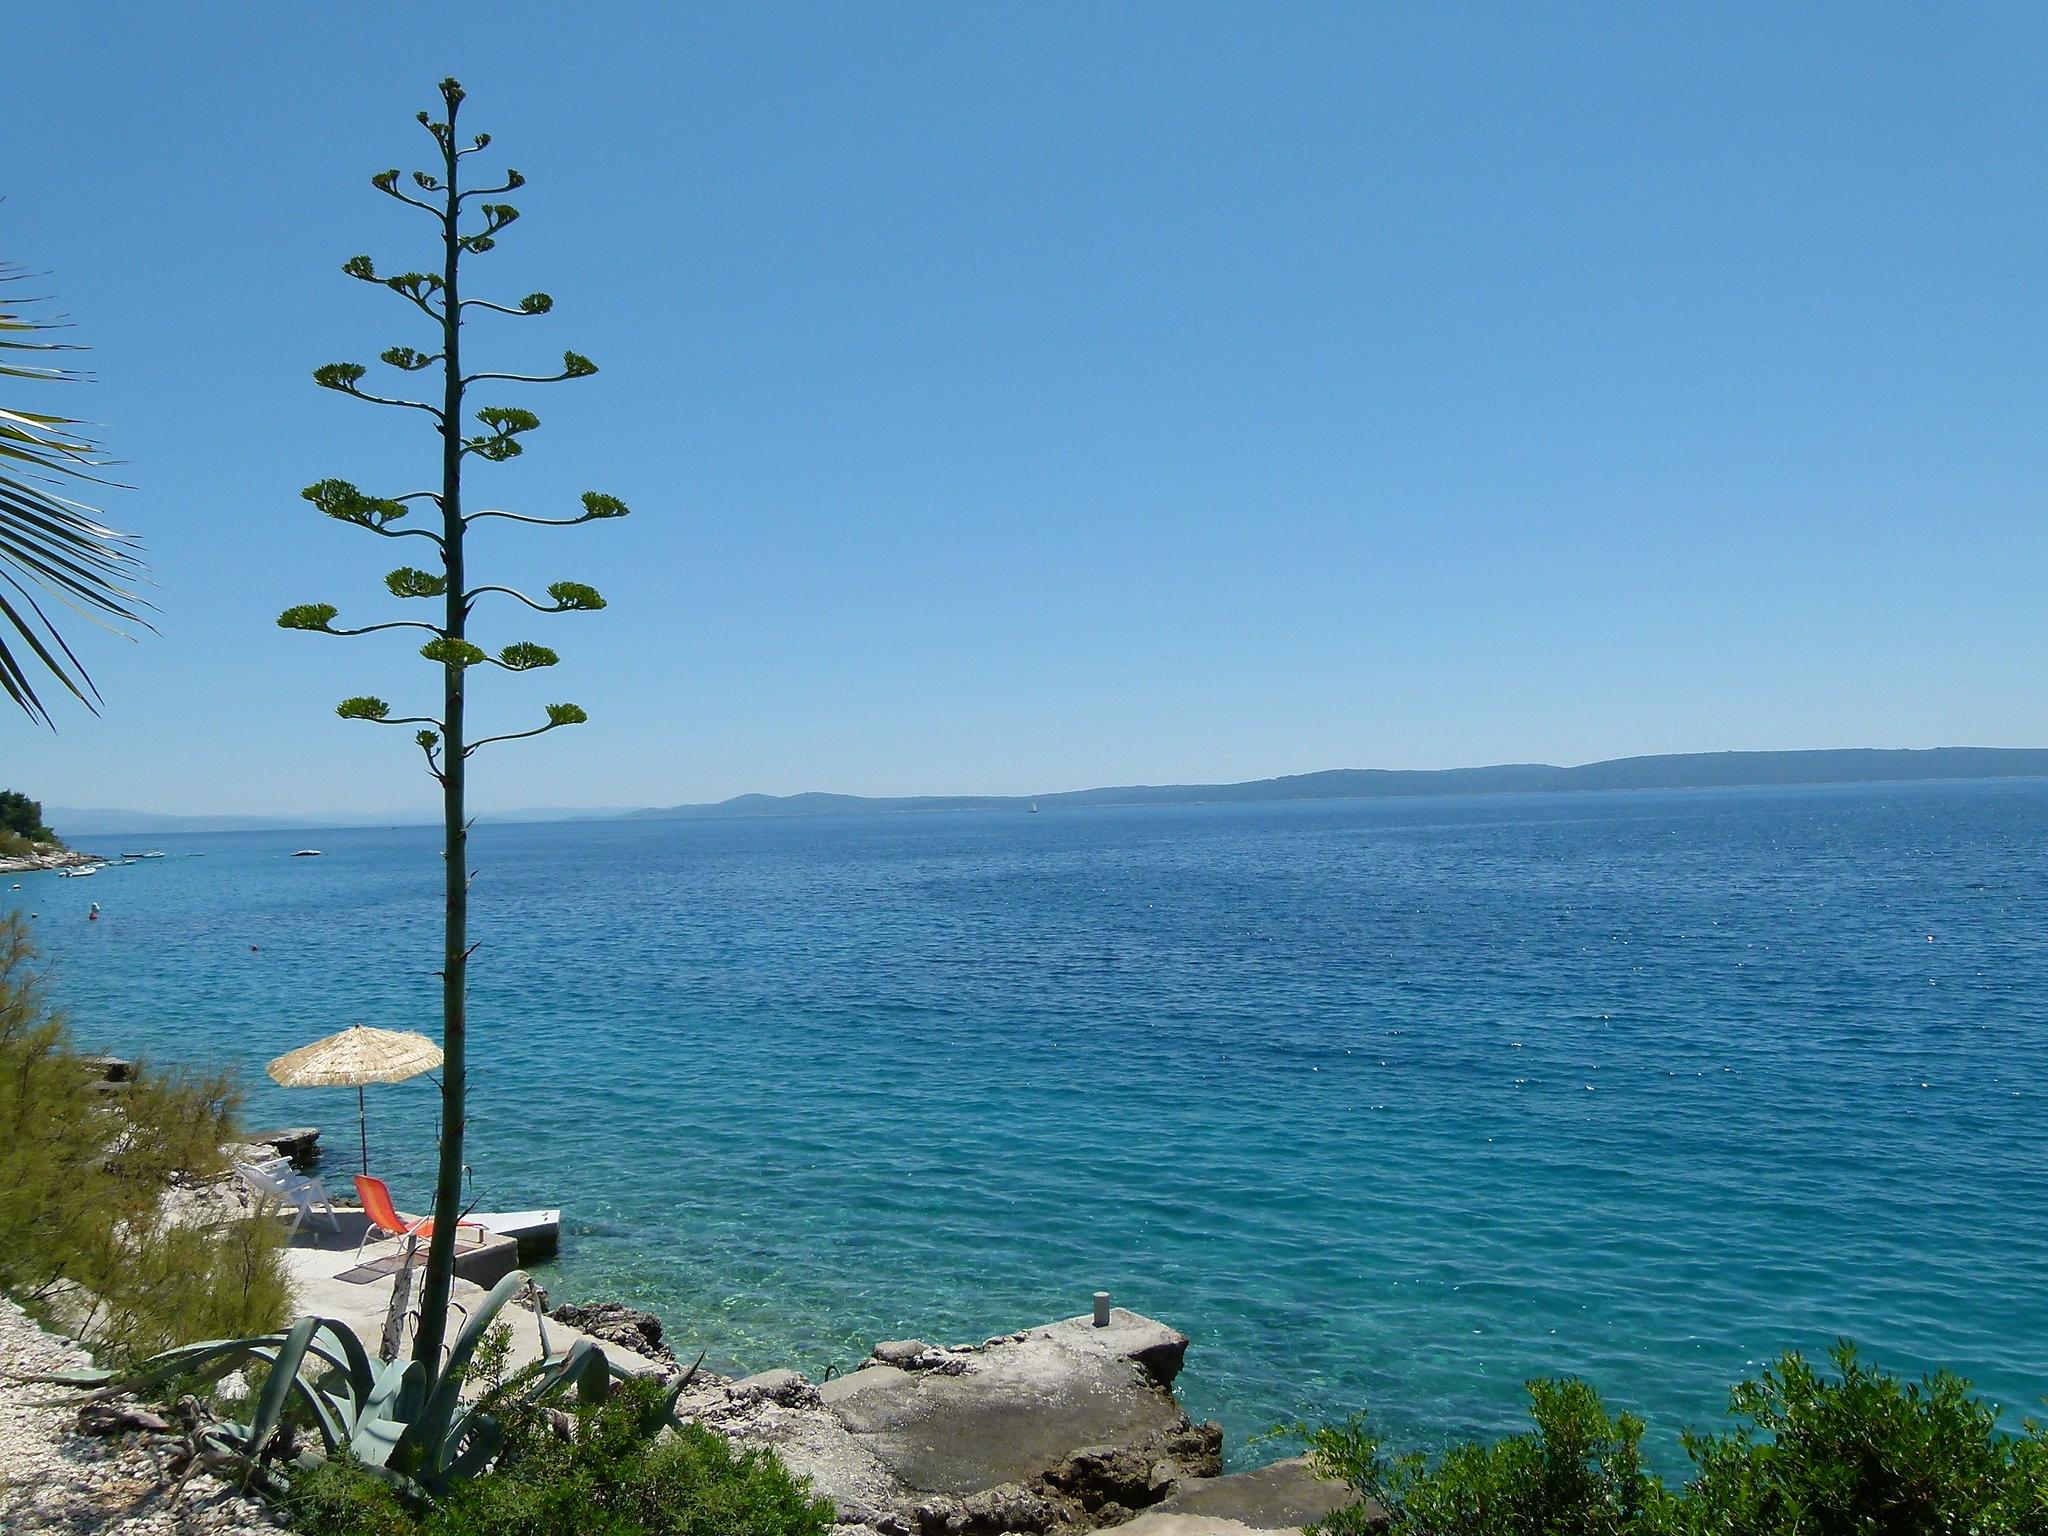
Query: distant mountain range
(1689,770)
(73,822)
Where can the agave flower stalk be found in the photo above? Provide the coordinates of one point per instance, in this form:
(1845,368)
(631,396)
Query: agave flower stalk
(469,221)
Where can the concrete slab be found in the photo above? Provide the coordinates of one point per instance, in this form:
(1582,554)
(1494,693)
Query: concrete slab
(329,1281)
(538,1233)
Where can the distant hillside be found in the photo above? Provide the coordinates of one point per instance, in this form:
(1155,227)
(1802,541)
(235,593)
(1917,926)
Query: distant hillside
(78,822)
(1690,770)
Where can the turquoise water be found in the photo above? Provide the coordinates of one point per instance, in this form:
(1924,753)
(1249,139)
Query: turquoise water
(1394,1103)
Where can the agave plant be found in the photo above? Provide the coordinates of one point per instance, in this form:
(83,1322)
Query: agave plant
(417,1434)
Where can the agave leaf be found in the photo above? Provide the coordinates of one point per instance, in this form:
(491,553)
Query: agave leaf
(486,1439)
(565,1372)
(334,1419)
(214,1357)
(362,1371)
(376,1437)
(594,1382)
(284,1375)
(387,1413)
(674,1393)
(64,1379)
(440,1410)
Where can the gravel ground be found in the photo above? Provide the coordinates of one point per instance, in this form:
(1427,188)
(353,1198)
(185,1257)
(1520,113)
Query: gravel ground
(54,1480)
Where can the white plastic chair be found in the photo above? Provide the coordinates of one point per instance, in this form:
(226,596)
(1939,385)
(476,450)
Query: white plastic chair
(273,1180)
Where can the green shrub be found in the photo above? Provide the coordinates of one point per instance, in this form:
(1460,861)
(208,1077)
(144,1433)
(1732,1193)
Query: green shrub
(339,1498)
(13,845)
(1860,1454)
(85,1234)
(21,819)
(1864,1455)
(603,1470)
(1579,1473)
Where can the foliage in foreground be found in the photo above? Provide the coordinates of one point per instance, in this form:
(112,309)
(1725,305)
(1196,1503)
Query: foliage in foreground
(84,1232)
(1856,1454)
(49,539)
(355,1445)
(602,1470)
(421,1435)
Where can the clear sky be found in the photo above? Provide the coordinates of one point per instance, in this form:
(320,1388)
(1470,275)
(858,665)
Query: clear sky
(1023,397)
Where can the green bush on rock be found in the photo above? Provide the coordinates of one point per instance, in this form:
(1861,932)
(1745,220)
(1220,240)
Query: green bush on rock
(604,1469)
(1865,1453)
(85,1233)
(1579,1473)
(21,824)
(1856,1454)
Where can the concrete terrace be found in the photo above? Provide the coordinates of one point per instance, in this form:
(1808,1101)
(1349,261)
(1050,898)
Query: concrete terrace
(328,1280)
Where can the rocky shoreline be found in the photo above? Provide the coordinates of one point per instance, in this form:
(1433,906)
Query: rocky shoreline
(1053,1430)
(1061,1429)
(56,858)
(1067,1427)
(54,1479)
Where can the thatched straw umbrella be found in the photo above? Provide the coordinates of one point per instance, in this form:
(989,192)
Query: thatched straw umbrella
(357,1056)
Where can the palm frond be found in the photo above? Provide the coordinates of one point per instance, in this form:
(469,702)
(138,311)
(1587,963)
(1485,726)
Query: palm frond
(50,542)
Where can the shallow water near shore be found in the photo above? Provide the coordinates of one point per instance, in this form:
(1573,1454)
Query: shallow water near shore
(1389,1103)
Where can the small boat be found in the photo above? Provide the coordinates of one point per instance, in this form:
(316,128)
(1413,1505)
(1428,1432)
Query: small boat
(1031,809)
(152,854)
(78,873)
(307,853)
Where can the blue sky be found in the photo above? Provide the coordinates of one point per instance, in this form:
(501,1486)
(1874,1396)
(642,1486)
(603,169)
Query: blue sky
(1015,398)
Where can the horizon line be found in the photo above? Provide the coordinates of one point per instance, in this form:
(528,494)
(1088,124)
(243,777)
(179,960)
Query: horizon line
(285,820)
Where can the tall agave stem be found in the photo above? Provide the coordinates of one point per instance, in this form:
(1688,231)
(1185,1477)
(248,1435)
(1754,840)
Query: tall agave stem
(445,739)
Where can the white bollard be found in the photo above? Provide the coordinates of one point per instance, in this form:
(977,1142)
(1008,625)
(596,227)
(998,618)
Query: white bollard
(1102,1309)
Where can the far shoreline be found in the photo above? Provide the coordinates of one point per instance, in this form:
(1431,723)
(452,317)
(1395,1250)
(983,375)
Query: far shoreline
(1061,801)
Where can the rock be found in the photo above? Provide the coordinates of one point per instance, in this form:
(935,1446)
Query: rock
(52,1480)
(1009,1508)
(791,1389)
(1107,1482)
(300,1144)
(1074,1413)
(109,1069)
(916,1355)
(1282,1497)
(612,1322)
(1056,1429)
(898,1352)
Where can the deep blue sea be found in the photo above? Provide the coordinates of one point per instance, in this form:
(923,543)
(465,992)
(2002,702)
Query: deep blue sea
(1386,1103)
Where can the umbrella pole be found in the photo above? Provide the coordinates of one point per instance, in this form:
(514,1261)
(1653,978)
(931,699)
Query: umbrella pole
(363,1126)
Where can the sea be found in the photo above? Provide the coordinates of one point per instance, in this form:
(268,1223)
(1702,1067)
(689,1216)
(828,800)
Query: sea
(1387,1104)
